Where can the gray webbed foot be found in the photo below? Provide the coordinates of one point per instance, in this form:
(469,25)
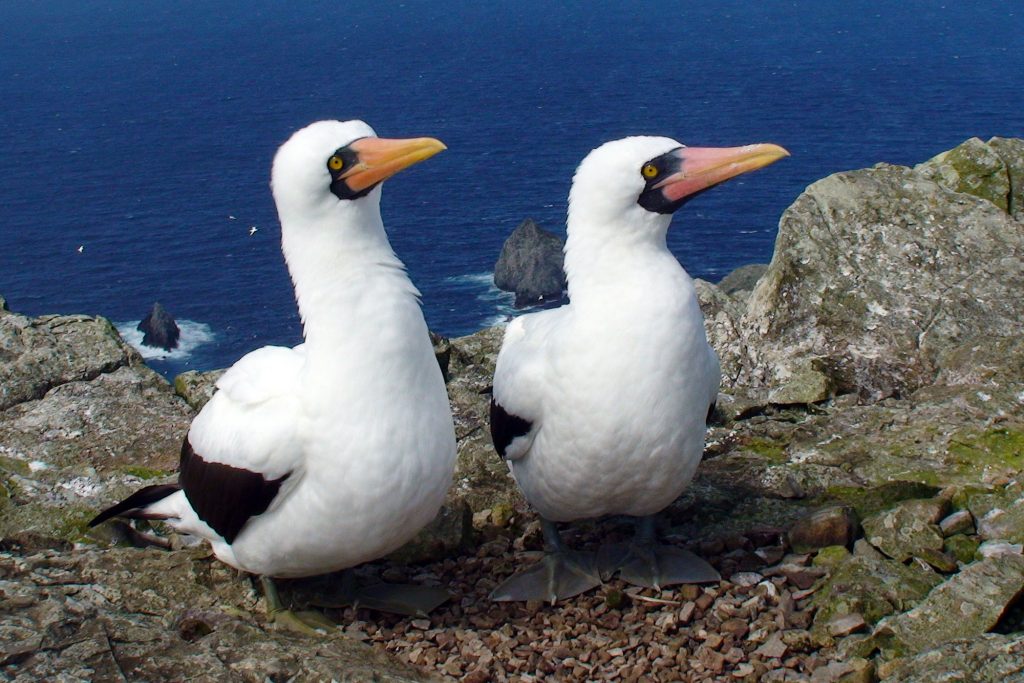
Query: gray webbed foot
(561,574)
(645,562)
(394,598)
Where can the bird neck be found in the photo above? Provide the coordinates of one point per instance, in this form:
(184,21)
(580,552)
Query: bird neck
(605,263)
(347,279)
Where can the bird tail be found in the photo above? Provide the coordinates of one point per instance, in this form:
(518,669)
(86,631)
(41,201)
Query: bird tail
(136,506)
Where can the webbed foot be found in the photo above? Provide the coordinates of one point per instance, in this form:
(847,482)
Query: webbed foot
(645,562)
(559,575)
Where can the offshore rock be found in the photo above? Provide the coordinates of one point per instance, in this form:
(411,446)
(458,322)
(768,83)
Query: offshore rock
(159,329)
(530,265)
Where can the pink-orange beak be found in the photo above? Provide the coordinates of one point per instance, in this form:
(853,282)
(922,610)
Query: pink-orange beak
(381,158)
(704,167)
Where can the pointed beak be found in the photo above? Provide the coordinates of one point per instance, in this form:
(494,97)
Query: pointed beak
(380,158)
(704,167)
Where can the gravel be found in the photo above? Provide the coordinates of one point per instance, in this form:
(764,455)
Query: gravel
(751,627)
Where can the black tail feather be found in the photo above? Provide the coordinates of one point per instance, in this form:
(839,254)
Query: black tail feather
(134,506)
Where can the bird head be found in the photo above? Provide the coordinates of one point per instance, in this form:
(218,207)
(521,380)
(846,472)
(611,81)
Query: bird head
(639,182)
(332,162)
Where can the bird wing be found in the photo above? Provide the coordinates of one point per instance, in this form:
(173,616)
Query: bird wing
(517,407)
(243,450)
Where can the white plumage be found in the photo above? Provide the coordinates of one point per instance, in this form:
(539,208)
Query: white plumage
(618,383)
(357,418)
(600,405)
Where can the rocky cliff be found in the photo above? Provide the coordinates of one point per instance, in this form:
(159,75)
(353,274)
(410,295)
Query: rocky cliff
(861,491)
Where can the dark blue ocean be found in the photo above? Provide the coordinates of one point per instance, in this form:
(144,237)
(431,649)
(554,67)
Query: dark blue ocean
(136,137)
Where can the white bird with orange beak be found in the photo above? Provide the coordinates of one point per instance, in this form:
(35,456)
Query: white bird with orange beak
(336,452)
(600,406)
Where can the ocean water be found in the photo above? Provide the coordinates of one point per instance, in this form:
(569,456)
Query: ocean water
(136,137)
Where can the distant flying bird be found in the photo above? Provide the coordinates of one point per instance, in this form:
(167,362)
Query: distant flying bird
(81,248)
(252,230)
(338,451)
(230,217)
(600,406)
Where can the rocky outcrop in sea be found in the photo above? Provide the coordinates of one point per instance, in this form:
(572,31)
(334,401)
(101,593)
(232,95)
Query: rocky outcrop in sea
(862,491)
(530,264)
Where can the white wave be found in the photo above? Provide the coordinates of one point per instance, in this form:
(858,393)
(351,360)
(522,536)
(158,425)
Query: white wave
(484,279)
(193,334)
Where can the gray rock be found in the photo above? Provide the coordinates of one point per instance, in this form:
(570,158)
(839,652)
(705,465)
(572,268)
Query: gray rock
(870,588)
(1012,152)
(977,596)
(972,167)
(833,526)
(740,282)
(37,354)
(722,314)
(988,658)
(530,265)
(197,387)
(1004,523)
(910,529)
(125,614)
(159,329)
(878,276)
(959,522)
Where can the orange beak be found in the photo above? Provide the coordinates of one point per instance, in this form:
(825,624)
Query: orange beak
(380,158)
(704,167)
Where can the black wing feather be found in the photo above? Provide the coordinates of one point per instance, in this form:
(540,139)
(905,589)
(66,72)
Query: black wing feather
(505,427)
(224,497)
(134,506)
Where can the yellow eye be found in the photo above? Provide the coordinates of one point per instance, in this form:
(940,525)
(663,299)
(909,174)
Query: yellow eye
(649,171)
(335,163)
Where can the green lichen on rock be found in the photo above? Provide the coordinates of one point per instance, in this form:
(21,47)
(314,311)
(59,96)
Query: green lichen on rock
(972,167)
(872,588)
(869,501)
(961,546)
(908,529)
(977,595)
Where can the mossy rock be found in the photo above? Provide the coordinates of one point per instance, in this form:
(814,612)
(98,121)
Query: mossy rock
(869,501)
(872,588)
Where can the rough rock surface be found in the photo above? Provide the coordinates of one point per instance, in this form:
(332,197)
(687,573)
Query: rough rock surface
(740,282)
(149,615)
(881,280)
(159,329)
(530,265)
(877,367)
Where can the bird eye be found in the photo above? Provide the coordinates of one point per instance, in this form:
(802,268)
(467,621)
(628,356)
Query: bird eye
(335,163)
(649,171)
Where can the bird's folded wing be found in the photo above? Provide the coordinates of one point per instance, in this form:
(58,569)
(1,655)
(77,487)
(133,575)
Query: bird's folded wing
(244,451)
(517,405)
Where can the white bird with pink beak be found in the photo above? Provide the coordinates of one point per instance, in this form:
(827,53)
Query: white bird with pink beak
(600,406)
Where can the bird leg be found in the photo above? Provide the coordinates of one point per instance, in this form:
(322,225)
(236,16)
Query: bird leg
(393,598)
(645,562)
(562,573)
(307,623)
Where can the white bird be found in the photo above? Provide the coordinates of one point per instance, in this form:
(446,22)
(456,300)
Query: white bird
(321,457)
(600,406)
(252,230)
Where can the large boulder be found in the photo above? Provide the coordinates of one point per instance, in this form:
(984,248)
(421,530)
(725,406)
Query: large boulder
(159,329)
(879,278)
(530,265)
